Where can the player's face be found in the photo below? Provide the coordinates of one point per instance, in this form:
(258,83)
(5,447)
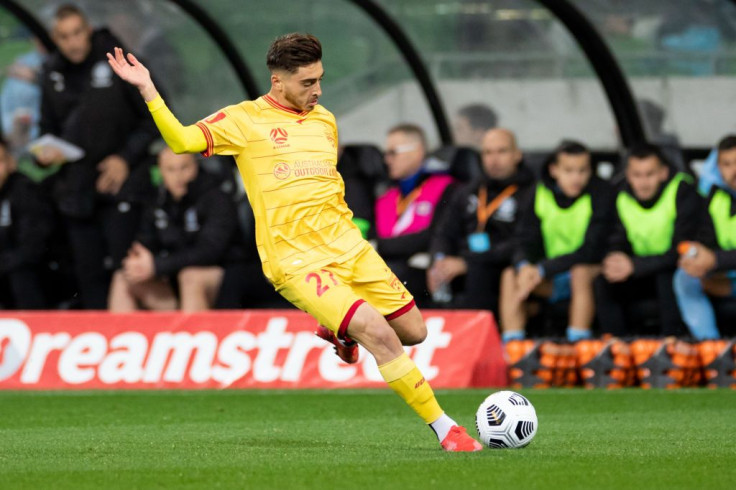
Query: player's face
(500,154)
(645,175)
(177,171)
(404,155)
(6,165)
(301,90)
(572,173)
(73,36)
(727,166)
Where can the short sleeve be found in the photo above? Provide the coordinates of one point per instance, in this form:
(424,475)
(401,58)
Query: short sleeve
(223,132)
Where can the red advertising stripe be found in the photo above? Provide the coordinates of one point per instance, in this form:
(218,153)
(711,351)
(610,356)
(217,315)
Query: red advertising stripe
(236,349)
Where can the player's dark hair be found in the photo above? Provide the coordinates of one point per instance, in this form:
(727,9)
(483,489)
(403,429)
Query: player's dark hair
(728,142)
(68,10)
(290,51)
(411,130)
(569,147)
(479,116)
(640,151)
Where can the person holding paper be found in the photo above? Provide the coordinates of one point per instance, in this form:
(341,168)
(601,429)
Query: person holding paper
(86,105)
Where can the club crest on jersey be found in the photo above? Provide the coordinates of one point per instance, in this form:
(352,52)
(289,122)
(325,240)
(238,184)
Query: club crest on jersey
(281,171)
(279,136)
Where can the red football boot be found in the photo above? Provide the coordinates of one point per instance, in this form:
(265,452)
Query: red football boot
(458,441)
(347,350)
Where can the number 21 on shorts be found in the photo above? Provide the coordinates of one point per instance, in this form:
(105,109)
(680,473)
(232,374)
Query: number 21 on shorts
(321,280)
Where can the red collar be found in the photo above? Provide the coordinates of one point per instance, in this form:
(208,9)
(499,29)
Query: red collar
(281,107)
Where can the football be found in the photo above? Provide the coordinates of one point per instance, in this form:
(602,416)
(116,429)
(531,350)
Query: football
(506,419)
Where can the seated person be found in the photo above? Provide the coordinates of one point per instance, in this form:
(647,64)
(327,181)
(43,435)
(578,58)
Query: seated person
(406,212)
(709,267)
(560,236)
(474,238)
(26,223)
(186,237)
(656,209)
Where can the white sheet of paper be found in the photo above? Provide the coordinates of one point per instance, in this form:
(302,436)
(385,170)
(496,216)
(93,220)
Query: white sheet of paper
(70,151)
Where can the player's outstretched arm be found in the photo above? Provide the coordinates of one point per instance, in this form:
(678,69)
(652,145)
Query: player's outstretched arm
(181,139)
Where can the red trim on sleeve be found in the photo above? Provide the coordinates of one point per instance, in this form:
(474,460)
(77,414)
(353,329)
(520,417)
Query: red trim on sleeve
(282,107)
(210,142)
(400,311)
(348,316)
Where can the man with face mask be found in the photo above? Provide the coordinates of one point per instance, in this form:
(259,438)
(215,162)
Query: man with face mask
(84,103)
(656,208)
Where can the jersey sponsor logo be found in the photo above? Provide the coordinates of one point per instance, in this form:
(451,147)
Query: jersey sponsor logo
(279,136)
(101,75)
(281,171)
(217,117)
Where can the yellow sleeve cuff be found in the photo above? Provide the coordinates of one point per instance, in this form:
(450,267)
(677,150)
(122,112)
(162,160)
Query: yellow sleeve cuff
(156,104)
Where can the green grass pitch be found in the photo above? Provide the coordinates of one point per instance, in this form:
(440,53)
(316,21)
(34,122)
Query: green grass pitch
(360,439)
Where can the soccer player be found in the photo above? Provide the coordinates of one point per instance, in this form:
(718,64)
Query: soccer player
(285,146)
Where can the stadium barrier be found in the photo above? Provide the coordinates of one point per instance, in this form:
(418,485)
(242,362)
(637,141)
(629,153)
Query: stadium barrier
(618,363)
(231,349)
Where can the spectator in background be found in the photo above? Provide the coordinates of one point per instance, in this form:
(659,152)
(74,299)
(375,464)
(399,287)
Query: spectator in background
(560,237)
(26,222)
(407,212)
(20,99)
(85,104)
(708,267)
(471,124)
(474,240)
(187,235)
(655,210)
(652,116)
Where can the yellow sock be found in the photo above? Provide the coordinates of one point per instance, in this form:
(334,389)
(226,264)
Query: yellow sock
(403,376)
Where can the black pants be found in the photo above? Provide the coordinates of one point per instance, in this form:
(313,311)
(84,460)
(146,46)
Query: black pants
(98,245)
(244,286)
(481,289)
(22,289)
(614,302)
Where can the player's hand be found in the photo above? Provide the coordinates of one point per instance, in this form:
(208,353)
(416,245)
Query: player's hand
(701,264)
(48,155)
(527,279)
(113,173)
(617,267)
(444,270)
(138,266)
(132,71)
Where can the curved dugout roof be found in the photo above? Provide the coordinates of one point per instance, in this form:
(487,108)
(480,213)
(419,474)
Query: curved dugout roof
(389,61)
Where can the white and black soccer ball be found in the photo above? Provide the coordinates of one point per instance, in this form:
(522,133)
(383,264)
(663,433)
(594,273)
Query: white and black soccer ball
(506,419)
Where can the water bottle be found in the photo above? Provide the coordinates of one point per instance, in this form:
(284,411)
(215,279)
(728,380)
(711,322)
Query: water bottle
(443,293)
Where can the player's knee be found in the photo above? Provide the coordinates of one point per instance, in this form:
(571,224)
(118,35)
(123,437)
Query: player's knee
(415,335)
(190,277)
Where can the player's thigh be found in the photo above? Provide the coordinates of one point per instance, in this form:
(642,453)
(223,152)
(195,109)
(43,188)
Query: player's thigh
(375,282)
(325,294)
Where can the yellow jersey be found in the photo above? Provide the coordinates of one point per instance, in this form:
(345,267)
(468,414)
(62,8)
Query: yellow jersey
(288,161)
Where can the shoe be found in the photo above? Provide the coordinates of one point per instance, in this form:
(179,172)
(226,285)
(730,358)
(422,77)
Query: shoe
(458,441)
(346,350)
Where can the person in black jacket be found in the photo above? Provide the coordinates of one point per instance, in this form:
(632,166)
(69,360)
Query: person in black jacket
(656,209)
(85,104)
(187,235)
(26,223)
(474,239)
(560,241)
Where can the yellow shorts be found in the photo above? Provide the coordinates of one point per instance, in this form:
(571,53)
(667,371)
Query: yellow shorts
(332,293)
